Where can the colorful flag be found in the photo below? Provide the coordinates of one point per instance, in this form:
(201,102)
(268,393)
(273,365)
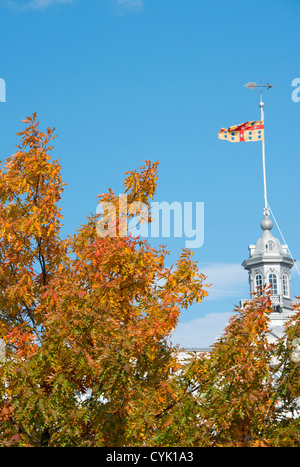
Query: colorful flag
(249,131)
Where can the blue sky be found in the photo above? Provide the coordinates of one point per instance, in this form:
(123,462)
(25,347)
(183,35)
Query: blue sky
(127,80)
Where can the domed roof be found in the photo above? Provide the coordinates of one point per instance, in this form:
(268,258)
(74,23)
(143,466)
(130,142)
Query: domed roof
(267,243)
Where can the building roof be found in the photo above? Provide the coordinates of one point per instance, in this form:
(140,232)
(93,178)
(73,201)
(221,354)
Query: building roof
(268,248)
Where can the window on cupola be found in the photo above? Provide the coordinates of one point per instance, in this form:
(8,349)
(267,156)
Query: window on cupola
(258,282)
(285,285)
(273,283)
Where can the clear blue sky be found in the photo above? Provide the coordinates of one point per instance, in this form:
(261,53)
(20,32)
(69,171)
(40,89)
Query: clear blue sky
(127,80)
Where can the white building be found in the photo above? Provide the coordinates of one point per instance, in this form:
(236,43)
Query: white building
(269,263)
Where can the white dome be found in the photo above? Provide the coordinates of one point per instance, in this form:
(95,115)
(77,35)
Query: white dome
(268,244)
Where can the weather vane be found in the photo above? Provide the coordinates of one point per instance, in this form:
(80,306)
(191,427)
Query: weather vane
(254,85)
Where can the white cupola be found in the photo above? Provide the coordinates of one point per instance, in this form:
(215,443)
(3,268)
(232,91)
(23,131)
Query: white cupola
(270,264)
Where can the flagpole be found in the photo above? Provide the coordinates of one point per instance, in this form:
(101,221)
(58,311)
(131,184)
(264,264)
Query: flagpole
(262,117)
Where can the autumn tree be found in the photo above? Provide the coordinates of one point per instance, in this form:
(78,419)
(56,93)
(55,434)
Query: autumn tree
(86,320)
(286,432)
(247,388)
(239,390)
(31,253)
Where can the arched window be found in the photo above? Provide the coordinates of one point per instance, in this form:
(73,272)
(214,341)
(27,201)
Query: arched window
(285,285)
(273,283)
(258,282)
(270,246)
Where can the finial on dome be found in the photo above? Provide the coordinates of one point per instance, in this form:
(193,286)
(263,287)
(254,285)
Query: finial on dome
(266,223)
